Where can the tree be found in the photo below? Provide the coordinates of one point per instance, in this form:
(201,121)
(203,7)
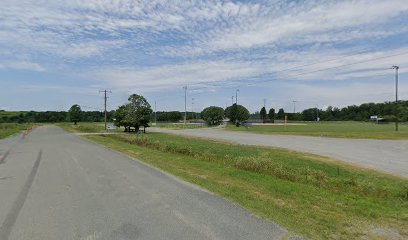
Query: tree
(281,114)
(173,116)
(309,114)
(271,114)
(74,113)
(120,115)
(237,114)
(213,115)
(138,112)
(263,113)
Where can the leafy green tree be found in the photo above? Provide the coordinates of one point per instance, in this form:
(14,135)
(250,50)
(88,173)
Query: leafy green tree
(262,113)
(271,114)
(213,115)
(120,115)
(74,113)
(281,114)
(173,116)
(237,114)
(138,112)
(309,114)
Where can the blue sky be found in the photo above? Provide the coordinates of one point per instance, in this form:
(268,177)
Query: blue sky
(57,53)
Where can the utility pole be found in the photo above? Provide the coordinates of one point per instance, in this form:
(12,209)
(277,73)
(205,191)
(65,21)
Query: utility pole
(232,100)
(105,98)
(185,104)
(294,106)
(155,113)
(396,92)
(236,96)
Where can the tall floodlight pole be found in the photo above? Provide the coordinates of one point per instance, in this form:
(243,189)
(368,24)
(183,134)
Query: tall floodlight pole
(396,92)
(294,106)
(236,96)
(185,104)
(105,99)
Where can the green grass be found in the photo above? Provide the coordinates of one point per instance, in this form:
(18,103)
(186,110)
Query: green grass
(332,129)
(86,127)
(310,195)
(177,126)
(99,127)
(9,129)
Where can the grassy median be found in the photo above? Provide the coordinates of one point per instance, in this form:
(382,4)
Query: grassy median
(345,129)
(9,129)
(310,195)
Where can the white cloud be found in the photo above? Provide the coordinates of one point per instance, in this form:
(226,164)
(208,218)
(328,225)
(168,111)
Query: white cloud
(74,28)
(329,21)
(155,45)
(161,77)
(22,65)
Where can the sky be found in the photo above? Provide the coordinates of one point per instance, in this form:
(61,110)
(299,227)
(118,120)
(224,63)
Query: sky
(56,53)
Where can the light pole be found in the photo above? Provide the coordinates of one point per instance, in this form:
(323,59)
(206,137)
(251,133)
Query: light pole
(236,96)
(232,100)
(294,106)
(317,112)
(396,93)
(185,104)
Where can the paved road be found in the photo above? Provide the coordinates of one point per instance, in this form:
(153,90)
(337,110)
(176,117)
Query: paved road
(54,185)
(390,156)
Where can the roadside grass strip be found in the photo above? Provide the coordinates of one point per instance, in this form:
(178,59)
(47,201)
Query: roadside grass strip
(9,129)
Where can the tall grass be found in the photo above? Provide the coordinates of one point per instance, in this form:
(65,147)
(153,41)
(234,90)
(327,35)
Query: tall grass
(270,162)
(8,129)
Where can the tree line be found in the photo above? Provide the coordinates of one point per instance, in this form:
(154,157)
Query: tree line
(389,111)
(52,116)
(213,115)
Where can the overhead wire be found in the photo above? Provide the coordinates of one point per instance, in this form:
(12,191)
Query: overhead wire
(222,84)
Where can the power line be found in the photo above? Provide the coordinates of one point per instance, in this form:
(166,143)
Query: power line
(299,66)
(313,71)
(220,84)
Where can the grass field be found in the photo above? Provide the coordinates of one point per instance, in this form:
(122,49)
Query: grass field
(8,129)
(332,129)
(91,127)
(310,195)
(179,125)
(87,127)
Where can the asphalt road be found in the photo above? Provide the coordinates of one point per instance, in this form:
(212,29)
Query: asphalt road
(54,185)
(390,156)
